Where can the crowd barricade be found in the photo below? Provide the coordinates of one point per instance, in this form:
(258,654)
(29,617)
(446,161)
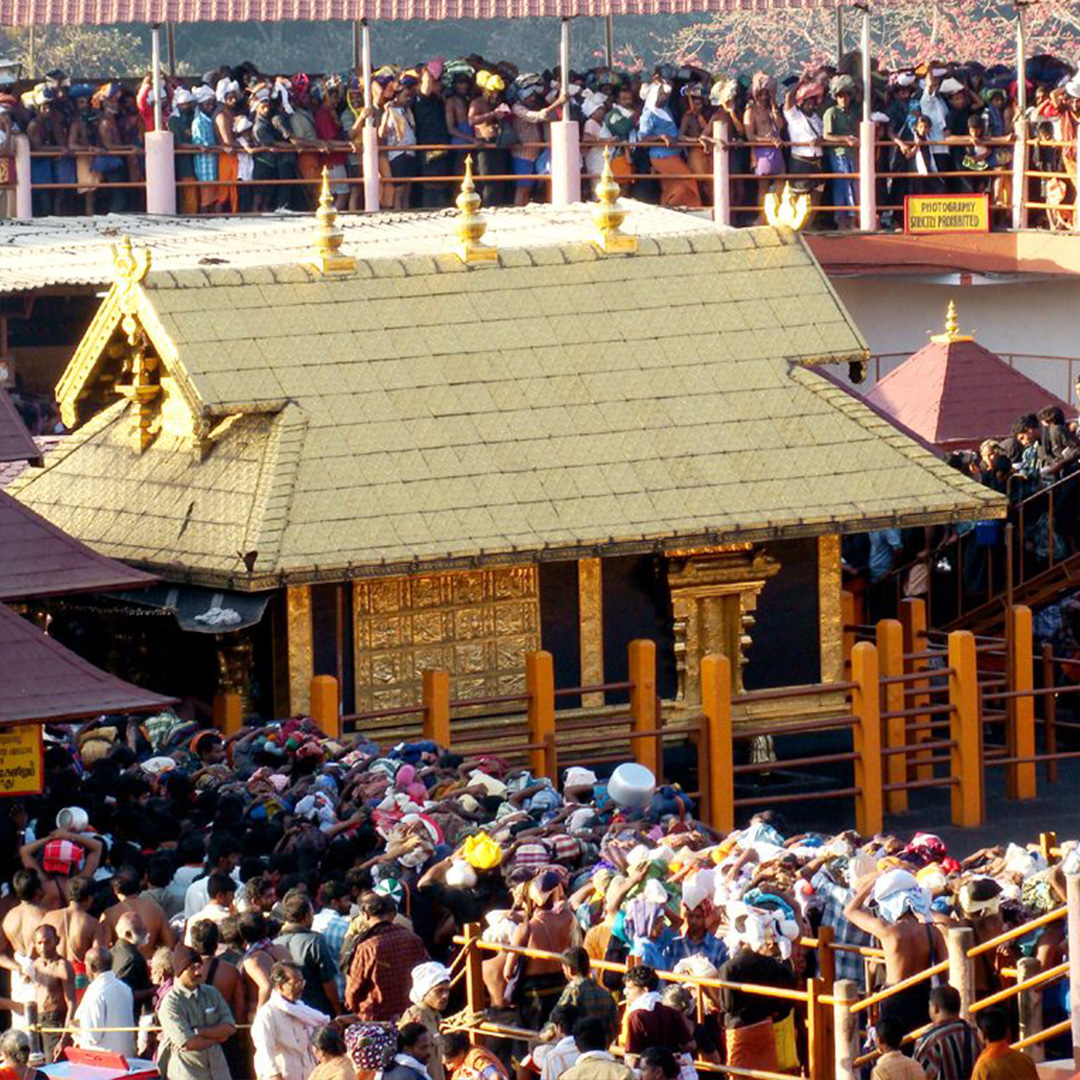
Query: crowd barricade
(77,191)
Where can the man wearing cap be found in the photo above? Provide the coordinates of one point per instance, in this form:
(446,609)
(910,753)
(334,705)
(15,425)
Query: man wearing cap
(195,1021)
(203,133)
(105,1018)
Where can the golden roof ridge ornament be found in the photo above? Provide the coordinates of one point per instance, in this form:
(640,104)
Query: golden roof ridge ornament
(130,266)
(788,210)
(328,235)
(471,226)
(609,214)
(952,328)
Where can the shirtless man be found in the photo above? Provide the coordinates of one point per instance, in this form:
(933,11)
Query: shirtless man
(58,875)
(260,956)
(910,941)
(78,930)
(54,987)
(127,885)
(18,929)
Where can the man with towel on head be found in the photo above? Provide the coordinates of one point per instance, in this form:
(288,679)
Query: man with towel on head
(911,942)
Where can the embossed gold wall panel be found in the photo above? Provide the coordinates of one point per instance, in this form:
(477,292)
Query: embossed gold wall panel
(476,624)
(830,617)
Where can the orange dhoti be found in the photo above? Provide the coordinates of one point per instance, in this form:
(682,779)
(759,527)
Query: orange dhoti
(752,1047)
(310,166)
(675,192)
(228,193)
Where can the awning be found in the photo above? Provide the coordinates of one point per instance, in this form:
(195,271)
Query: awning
(16,442)
(200,609)
(41,680)
(99,12)
(38,559)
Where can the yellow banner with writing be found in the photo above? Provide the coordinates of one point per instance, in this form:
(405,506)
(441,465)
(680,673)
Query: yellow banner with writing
(946,213)
(22,760)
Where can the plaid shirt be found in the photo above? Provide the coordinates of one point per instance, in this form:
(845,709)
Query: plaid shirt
(592,1000)
(333,927)
(682,948)
(849,965)
(380,977)
(203,134)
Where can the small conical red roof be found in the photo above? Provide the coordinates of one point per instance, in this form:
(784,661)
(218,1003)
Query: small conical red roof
(955,393)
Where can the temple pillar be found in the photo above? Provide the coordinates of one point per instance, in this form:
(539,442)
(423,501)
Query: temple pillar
(714,594)
(565,163)
(830,615)
(301,649)
(591,627)
(160,173)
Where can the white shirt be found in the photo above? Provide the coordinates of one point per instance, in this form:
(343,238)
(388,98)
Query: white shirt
(213,912)
(803,128)
(281,1035)
(108,1002)
(197,896)
(937,112)
(559,1058)
(182,880)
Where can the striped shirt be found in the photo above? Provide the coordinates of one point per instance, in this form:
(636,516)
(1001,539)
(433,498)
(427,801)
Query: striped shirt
(946,1051)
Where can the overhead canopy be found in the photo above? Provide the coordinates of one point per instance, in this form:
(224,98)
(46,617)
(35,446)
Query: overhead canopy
(202,610)
(16,442)
(83,12)
(44,681)
(38,559)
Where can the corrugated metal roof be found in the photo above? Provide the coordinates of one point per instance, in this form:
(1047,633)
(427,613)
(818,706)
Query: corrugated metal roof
(75,12)
(16,442)
(44,681)
(58,252)
(37,559)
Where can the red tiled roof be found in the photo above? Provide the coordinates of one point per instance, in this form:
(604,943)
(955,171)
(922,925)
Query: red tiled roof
(955,394)
(44,681)
(16,442)
(38,559)
(36,12)
(9,470)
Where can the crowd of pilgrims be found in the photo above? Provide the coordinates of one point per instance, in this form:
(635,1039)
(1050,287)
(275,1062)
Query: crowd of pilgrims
(940,128)
(287,905)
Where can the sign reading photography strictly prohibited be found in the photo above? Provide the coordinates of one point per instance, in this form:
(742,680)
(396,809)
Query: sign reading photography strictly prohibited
(22,764)
(946,213)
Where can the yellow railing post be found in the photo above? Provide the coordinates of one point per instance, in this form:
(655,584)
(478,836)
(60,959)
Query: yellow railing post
(325,710)
(847,618)
(228,713)
(1020,711)
(475,998)
(913,620)
(965,731)
(436,691)
(720,752)
(540,686)
(643,710)
(866,736)
(890,644)
(1047,843)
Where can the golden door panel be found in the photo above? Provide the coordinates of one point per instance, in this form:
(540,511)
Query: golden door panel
(478,624)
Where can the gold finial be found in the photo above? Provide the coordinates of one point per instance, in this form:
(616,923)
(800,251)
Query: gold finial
(328,237)
(131,266)
(789,210)
(609,214)
(952,328)
(471,226)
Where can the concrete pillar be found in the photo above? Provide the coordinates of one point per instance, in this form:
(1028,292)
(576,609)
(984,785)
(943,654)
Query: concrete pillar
(326,705)
(867,176)
(565,163)
(1019,180)
(961,967)
(721,183)
(846,1029)
(24,199)
(370,156)
(1072,884)
(155,63)
(160,173)
(1031,1008)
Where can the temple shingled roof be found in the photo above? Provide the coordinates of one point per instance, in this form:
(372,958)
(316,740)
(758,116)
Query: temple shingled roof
(424,413)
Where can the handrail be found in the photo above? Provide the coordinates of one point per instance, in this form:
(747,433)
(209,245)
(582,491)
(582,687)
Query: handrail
(1018,988)
(897,988)
(1018,932)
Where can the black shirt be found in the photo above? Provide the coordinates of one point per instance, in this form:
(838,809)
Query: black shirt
(129,965)
(746,966)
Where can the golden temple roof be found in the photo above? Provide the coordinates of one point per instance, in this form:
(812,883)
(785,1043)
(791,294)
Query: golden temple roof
(556,401)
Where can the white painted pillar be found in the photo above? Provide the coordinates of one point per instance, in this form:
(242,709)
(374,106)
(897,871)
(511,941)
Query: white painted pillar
(155,61)
(1072,914)
(721,157)
(24,198)
(1019,178)
(369,151)
(565,138)
(160,173)
(867,138)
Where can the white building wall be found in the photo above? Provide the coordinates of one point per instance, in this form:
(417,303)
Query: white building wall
(1038,317)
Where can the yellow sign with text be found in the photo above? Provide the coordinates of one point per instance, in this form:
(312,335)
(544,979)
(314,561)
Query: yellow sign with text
(946,213)
(22,760)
